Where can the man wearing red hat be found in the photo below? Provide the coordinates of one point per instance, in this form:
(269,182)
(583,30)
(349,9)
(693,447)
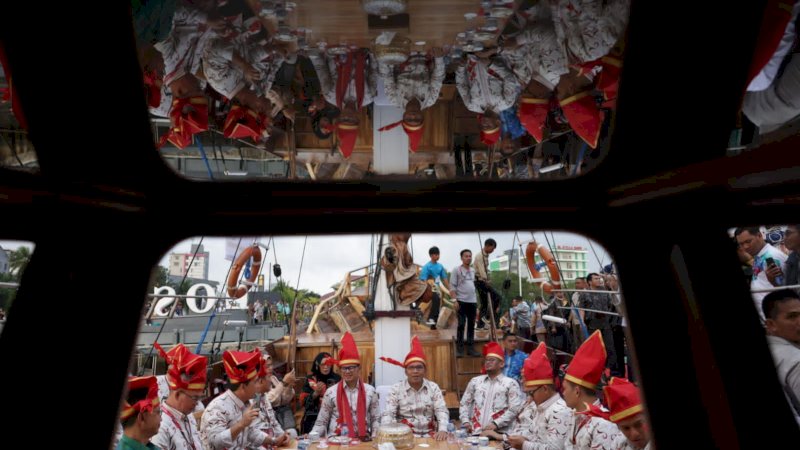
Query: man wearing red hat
(413,86)
(228,420)
(186,377)
(267,420)
(349,403)
(491,402)
(622,398)
(140,415)
(348,81)
(417,401)
(542,424)
(589,427)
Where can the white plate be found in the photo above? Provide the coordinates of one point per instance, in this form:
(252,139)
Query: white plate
(338,439)
(502,12)
(337,50)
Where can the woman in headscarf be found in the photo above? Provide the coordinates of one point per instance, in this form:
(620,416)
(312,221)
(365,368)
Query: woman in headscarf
(316,384)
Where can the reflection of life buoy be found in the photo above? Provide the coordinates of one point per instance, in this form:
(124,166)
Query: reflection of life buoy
(552,267)
(239,291)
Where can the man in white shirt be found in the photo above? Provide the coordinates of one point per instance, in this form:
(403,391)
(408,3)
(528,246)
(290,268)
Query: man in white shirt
(622,398)
(186,377)
(417,401)
(349,403)
(491,402)
(751,240)
(782,310)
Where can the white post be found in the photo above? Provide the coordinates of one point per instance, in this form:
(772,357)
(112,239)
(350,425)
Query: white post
(390,148)
(392,335)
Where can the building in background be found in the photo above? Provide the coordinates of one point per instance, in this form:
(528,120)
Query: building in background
(571,259)
(179,263)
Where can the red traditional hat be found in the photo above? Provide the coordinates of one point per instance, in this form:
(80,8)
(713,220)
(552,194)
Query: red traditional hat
(622,398)
(172,354)
(187,371)
(533,115)
(243,122)
(489,137)
(584,116)
(242,367)
(537,369)
(608,80)
(347,135)
(776,17)
(152,84)
(188,117)
(588,363)
(348,354)
(415,355)
(142,397)
(495,350)
(414,133)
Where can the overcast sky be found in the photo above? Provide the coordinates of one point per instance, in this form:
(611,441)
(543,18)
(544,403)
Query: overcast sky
(328,258)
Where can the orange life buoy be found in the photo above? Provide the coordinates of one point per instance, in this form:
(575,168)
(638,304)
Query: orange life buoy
(239,291)
(552,267)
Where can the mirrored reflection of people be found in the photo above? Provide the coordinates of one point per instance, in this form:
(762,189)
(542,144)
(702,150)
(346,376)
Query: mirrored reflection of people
(140,415)
(228,422)
(782,310)
(626,410)
(348,81)
(349,403)
(414,86)
(543,422)
(751,240)
(773,91)
(417,401)
(317,382)
(186,378)
(792,242)
(598,319)
(589,427)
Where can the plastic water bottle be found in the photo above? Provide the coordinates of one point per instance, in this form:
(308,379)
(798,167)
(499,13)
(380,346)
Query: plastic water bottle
(345,434)
(451,432)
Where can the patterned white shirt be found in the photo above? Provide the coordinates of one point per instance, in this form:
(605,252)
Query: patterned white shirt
(163,392)
(266,421)
(588,29)
(215,427)
(328,419)
(413,79)
(544,426)
(591,433)
(177,431)
(539,55)
(492,87)
(424,410)
(328,73)
(488,400)
(182,50)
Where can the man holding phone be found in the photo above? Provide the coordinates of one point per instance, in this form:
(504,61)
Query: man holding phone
(767,261)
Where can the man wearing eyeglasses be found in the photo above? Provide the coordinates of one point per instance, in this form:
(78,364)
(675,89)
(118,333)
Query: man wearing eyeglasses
(492,401)
(163,380)
(542,424)
(350,403)
(186,377)
(417,402)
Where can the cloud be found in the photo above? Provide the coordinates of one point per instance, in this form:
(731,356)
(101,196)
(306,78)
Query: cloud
(329,257)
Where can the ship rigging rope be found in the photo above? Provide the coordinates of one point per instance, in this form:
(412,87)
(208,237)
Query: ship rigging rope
(599,261)
(172,310)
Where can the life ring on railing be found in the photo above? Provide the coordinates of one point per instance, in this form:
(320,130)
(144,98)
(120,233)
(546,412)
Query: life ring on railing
(552,267)
(239,291)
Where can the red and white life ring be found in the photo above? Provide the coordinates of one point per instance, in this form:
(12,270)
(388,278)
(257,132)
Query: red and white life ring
(239,291)
(530,257)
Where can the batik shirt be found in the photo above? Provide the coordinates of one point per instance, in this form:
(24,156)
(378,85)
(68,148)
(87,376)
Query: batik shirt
(544,426)
(423,410)
(328,419)
(215,427)
(413,79)
(591,433)
(487,87)
(177,431)
(488,400)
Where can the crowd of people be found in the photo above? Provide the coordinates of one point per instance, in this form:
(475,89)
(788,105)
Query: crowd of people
(579,410)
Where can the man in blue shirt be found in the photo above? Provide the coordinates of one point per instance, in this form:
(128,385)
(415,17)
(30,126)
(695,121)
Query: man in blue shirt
(433,272)
(514,358)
